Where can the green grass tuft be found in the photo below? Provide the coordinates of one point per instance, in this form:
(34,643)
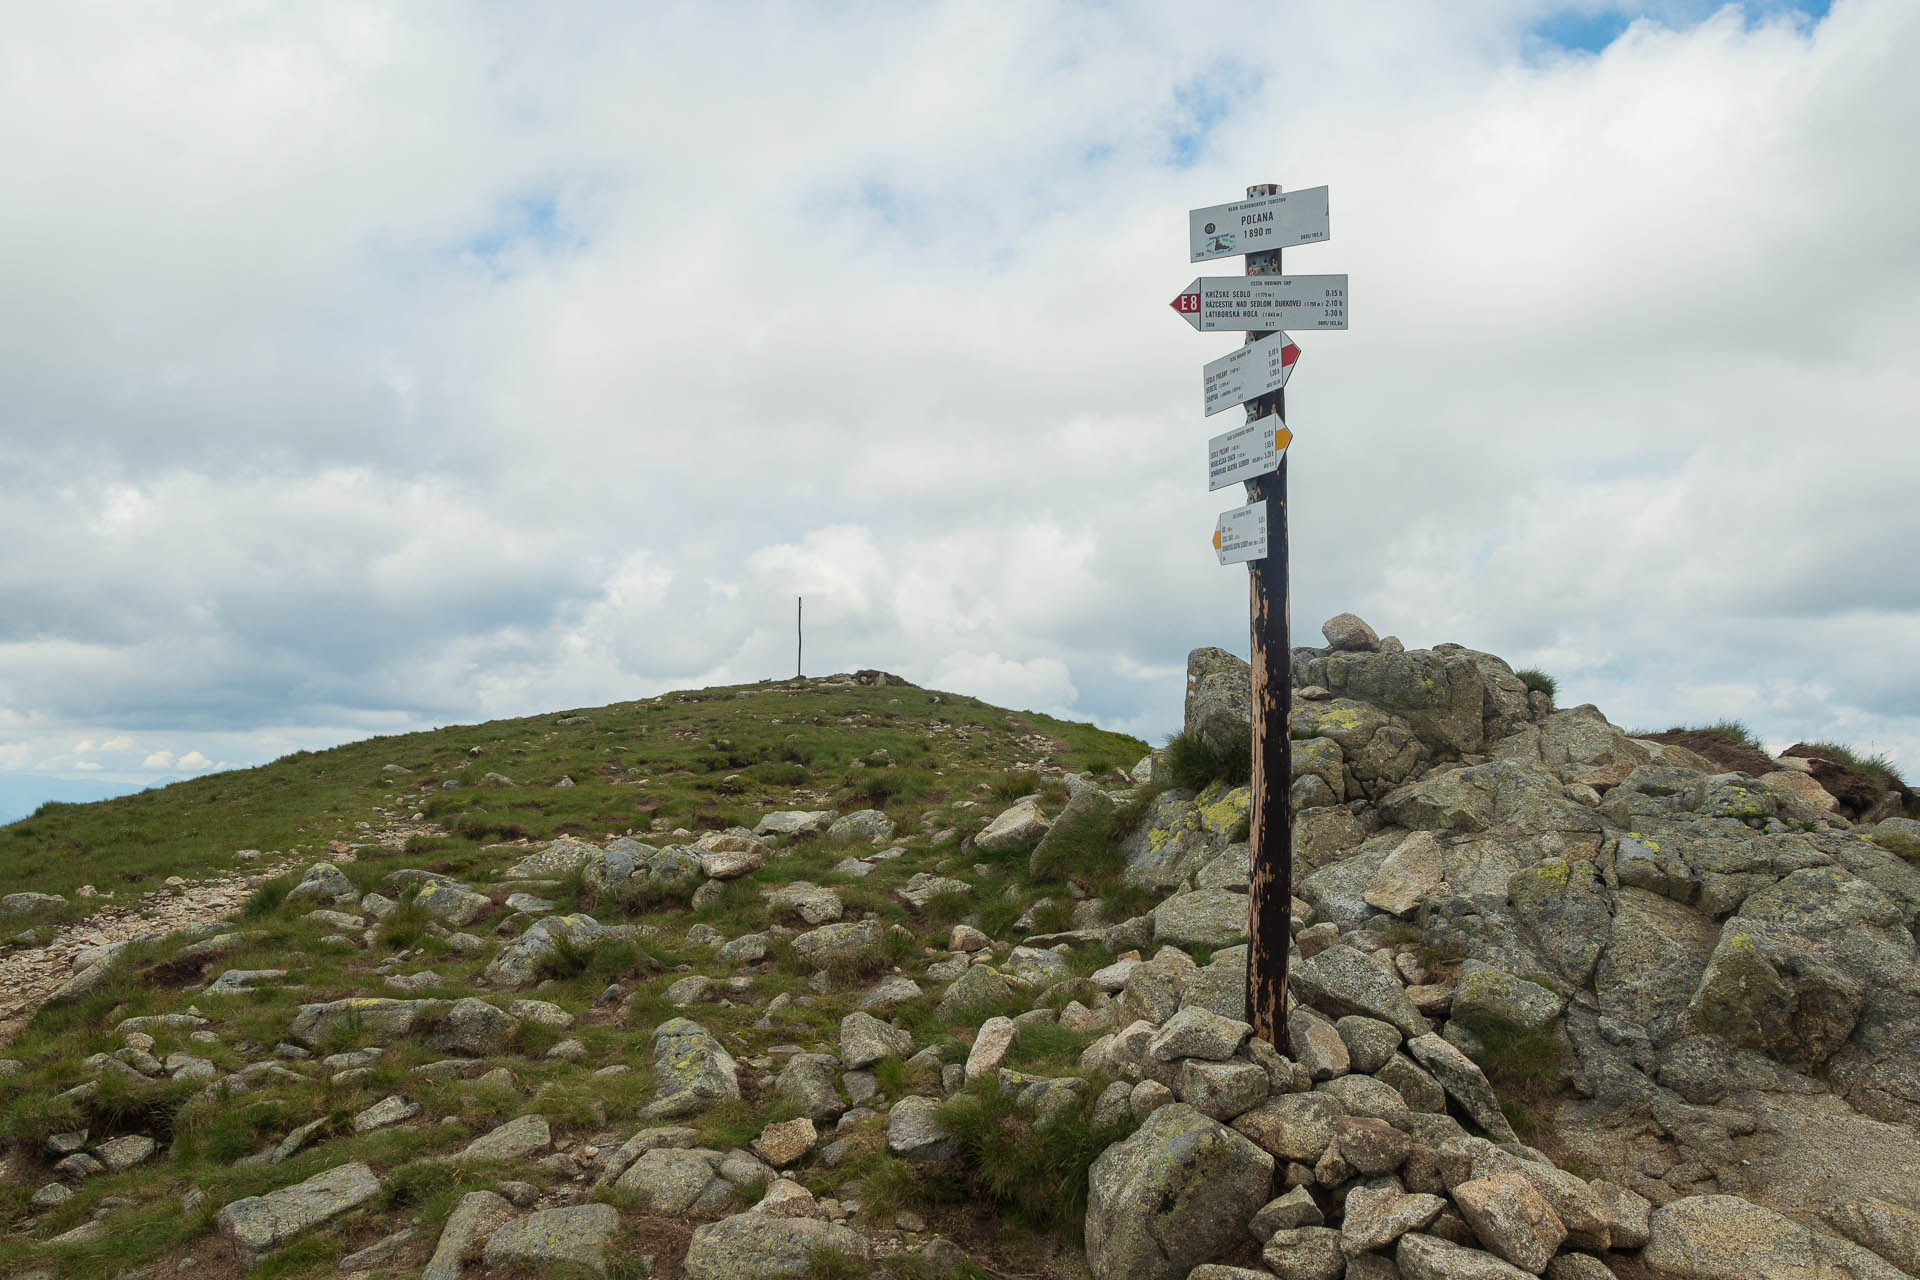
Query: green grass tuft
(1036,1174)
(1733,731)
(1537,681)
(1192,764)
(1879,767)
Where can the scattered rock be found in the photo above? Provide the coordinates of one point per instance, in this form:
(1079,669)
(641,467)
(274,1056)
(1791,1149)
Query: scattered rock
(478,1213)
(515,1140)
(913,1133)
(1511,1219)
(762,1245)
(783,1143)
(259,1223)
(574,1234)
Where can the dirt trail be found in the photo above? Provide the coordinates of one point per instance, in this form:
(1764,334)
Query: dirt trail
(30,975)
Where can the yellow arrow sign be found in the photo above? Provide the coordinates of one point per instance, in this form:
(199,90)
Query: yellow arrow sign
(1281,439)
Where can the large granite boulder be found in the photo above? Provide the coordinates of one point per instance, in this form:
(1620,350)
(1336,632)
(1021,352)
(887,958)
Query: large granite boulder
(1727,1238)
(1219,708)
(1514,798)
(1456,700)
(1656,953)
(1341,980)
(1563,907)
(1203,918)
(1085,823)
(1178,1193)
(1378,751)
(1017,827)
(1169,843)
(322,882)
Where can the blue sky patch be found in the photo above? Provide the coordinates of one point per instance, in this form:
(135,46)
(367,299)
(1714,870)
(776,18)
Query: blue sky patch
(1199,105)
(1589,28)
(522,222)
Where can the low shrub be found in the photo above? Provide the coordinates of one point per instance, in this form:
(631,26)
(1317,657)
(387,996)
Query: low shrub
(782,773)
(1192,763)
(1524,1068)
(1035,1173)
(1879,767)
(1014,784)
(265,900)
(1734,732)
(480,826)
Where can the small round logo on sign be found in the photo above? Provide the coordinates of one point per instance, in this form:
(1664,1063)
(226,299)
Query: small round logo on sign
(1209,228)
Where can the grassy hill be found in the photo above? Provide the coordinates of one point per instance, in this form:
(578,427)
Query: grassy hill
(205,1081)
(705,760)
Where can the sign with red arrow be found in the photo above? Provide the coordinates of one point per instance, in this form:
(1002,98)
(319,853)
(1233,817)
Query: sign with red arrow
(1247,372)
(1244,304)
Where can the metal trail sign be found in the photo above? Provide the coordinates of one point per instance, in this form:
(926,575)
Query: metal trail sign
(1247,451)
(1252,303)
(1258,224)
(1240,535)
(1248,372)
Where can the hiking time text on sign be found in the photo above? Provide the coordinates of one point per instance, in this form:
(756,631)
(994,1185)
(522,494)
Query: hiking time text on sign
(1249,304)
(1241,534)
(1246,451)
(1252,226)
(1247,372)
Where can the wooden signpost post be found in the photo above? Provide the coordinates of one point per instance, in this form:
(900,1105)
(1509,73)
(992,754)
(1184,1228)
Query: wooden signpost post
(1256,534)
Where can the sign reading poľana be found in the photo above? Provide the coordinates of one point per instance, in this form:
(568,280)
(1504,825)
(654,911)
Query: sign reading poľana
(1250,304)
(1258,224)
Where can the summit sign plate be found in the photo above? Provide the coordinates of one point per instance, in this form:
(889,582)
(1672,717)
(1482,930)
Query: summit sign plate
(1258,225)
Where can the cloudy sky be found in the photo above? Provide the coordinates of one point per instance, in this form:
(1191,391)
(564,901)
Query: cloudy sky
(372,366)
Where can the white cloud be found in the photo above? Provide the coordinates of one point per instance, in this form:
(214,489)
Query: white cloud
(15,755)
(193,762)
(1037,684)
(478,385)
(86,766)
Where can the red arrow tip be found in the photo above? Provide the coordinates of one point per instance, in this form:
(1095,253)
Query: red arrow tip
(1288,354)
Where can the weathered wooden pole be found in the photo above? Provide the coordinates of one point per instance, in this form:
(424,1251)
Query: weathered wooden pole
(1270,900)
(799,635)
